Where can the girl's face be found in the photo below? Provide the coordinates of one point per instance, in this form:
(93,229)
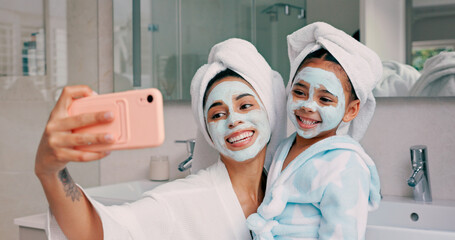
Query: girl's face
(316,104)
(236,119)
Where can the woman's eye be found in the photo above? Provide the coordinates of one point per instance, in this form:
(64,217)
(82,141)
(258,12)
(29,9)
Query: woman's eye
(245,106)
(218,115)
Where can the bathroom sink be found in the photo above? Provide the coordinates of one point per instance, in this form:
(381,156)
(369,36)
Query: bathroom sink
(402,218)
(122,192)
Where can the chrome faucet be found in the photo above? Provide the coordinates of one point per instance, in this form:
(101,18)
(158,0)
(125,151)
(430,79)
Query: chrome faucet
(420,179)
(186,164)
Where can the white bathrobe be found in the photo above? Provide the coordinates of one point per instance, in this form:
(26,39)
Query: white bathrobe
(201,206)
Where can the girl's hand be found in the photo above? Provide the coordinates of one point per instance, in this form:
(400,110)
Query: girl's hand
(57,144)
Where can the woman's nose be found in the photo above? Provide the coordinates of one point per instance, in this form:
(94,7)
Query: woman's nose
(233,124)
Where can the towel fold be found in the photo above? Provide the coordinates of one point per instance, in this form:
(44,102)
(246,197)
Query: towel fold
(361,64)
(438,76)
(397,79)
(243,58)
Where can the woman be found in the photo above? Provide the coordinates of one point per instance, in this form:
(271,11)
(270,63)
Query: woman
(234,96)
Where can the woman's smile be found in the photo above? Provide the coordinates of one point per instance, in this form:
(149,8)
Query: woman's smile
(241,139)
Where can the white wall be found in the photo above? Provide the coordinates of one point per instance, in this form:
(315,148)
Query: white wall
(400,123)
(342,14)
(433,23)
(383,28)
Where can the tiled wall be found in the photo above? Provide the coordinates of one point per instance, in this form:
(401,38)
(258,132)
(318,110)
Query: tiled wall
(24,110)
(398,124)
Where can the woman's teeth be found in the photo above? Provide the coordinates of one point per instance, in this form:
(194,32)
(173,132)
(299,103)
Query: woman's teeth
(242,137)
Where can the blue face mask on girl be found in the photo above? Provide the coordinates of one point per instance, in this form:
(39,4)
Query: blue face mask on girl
(315,84)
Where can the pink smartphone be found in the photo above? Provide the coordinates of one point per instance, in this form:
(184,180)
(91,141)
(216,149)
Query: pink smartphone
(138,118)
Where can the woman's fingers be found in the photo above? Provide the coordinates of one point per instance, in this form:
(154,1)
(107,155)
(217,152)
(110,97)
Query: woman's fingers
(73,155)
(66,140)
(82,120)
(69,93)
(57,144)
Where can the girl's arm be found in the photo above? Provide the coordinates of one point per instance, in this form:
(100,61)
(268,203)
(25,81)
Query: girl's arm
(344,205)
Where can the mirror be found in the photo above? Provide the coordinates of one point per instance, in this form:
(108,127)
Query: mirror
(416,41)
(22,40)
(174,37)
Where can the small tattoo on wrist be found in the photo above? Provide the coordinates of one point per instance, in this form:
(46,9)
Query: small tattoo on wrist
(69,186)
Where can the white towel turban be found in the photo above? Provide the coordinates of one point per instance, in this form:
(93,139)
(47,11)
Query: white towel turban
(397,79)
(362,65)
(438,77)
(241,57)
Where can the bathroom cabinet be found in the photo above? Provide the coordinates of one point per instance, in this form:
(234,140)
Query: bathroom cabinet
(32,227)
(26,233)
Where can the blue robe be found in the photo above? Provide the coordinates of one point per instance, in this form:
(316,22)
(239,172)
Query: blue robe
(324,193)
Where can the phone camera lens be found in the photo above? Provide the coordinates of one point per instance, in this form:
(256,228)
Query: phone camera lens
(149,98)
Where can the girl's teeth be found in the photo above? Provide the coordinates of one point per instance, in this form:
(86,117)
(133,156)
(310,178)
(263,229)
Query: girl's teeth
(307,122)
(240,137)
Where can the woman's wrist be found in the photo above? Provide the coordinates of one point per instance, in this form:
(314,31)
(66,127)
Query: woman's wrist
(46,176)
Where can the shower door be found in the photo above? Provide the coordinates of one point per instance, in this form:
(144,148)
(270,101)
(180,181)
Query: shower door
(175,37)
(276,20)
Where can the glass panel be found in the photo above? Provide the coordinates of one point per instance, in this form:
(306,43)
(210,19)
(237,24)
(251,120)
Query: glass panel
(160,57)
(123,51)
(57,65)
(176,37)
(205,23)
(274,22)
(22,41)
(159,45)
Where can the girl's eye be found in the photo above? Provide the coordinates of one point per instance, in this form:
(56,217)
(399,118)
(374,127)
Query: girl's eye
(218,115)
(326,100)
(245,106)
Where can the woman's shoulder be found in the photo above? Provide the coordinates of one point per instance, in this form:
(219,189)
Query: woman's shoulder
(204,179)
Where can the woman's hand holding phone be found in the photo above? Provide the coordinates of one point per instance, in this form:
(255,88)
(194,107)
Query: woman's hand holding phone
(58,142)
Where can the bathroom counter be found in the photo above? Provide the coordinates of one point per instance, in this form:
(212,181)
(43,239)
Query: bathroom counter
(32,227)
(37,221)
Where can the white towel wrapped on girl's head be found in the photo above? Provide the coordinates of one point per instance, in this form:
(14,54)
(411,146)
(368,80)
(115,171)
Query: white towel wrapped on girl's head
(438,77)
(362,65)
(241,57)
(397,79)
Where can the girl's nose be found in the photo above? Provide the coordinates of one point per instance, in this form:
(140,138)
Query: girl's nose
(308,109)
(309,106)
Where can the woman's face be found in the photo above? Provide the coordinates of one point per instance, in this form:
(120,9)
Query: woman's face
(236,119)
